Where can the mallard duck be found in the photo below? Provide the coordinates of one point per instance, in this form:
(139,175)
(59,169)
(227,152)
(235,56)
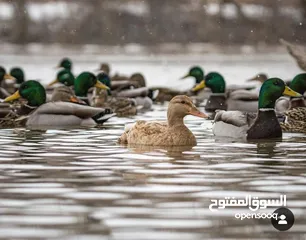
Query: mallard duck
(284,104)
(216,83)
(84,82)
(170,133)
(297,52)
(264,124)
(224,99)
(65,63)
(103,98)
(19,75)
(65,77)
(56,114)
(295,120)
(3,89)
(105,67)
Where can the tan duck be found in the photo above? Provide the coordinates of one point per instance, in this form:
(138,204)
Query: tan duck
(171,133)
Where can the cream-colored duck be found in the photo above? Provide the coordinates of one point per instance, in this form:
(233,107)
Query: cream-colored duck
(171,133)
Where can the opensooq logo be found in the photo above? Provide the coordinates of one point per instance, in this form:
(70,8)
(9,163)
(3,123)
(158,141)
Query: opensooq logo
(254,203)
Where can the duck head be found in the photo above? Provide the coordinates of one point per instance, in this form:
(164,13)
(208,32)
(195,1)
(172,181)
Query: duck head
(181,106)
(65,77)
(104,67)
(139,79)
(298,83)
(105,79)
(65,63)
(4,75)
(85,81)
(214,81)
(18,74)
(271,90)
(32,91)
(196,72)
(260,77)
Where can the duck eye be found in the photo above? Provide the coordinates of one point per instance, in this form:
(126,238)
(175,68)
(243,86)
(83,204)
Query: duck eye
(275,83)
(183,102)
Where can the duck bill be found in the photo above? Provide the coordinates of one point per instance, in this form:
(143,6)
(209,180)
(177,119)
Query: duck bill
(75,99)
(101,85)
(53,82)
(200,86)
(186,76)
(13,97)
(197,113)
(254,79)
(289,92)
(9,76)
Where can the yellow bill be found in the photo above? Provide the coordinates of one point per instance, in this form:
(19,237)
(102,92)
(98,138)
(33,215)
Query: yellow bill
(9,76)
(13,97)
(101,85)
(53,82)
(289,92)
(200,86)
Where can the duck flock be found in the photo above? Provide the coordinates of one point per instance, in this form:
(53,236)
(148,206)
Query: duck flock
(90,99)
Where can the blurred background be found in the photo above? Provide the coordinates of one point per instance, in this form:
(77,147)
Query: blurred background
(161,39)
(152,22)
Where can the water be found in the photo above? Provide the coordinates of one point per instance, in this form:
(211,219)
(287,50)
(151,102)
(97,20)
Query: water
(80,184)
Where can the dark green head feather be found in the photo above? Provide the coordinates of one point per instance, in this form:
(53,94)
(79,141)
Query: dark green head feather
(2,73)
(271,90)
(18,74)
(298,83)
(34,92)
(83,83)
(196,72)
(65,77)
(215,82)
(66,63)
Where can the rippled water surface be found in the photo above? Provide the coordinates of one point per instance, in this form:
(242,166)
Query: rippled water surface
(80,184)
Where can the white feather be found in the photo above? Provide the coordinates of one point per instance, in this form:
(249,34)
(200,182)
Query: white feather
(223,129)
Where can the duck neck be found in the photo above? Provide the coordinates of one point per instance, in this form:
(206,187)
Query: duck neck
(174,120)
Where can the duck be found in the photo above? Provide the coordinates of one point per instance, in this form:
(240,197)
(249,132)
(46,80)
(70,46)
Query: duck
(264,124)
(228,99)
(166,94)
(171,133)
(65,77)
(85,81)
(138,97)
(105,67)
(43,115)
(19,75)
(217,99)
(65,63)
(295,120)
(3,89)
(298,84)
(104,98)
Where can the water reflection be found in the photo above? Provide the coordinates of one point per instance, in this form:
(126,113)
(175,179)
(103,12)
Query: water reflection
(80,183)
